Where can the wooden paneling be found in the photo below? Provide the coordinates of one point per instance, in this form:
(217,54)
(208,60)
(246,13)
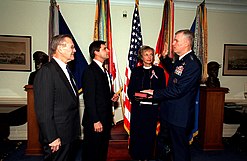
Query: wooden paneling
(33,145)
(211,117)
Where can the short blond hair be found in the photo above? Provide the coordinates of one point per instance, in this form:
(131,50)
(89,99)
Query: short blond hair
(143,49)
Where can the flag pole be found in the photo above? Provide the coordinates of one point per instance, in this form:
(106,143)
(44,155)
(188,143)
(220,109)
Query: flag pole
(132,60)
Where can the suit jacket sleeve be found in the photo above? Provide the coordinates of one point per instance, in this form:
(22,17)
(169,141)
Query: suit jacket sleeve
(89,94)
(167,64)
(179,85)
(43,95)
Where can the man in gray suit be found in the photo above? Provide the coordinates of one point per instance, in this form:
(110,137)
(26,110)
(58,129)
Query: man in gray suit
(57,103)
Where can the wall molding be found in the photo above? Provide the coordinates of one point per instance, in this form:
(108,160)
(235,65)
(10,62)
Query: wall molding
(219,5)
(13,100)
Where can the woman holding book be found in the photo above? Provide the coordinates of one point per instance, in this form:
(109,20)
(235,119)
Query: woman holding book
(144,112)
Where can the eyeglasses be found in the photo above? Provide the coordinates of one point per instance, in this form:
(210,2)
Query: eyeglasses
(65,45)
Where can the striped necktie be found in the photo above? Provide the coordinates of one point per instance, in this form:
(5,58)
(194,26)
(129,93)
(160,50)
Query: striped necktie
(71,79)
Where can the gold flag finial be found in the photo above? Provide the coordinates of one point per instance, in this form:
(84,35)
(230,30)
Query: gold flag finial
(53,2)
(137,2)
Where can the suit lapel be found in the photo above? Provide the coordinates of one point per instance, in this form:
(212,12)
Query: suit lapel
(102,74)
(64,78)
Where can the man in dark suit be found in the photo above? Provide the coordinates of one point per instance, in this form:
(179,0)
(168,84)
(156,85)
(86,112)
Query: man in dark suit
(98,98)
(178,99)
(57,103)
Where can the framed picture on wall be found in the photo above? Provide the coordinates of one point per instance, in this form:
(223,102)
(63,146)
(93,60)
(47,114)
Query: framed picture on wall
(15,53)
(235,60)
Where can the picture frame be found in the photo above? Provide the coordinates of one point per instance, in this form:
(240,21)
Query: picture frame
(235,60)
(15,53)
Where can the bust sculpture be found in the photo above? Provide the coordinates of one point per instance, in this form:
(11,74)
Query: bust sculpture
(213,70)
(40,58)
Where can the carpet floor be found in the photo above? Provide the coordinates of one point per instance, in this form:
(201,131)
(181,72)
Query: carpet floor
(15,151)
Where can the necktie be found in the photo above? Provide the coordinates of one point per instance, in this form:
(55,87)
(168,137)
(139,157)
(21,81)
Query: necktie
(71,79)
(107,77)
(105,71)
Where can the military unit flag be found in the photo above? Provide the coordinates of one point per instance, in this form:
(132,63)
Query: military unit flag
(102,31)
(199,27)
(57,25)
(165,39)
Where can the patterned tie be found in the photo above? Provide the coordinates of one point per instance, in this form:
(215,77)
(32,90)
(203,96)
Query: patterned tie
(107,77)
(105,71)
(71,79)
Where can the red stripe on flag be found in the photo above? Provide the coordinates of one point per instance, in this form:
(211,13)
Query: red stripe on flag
(132,60)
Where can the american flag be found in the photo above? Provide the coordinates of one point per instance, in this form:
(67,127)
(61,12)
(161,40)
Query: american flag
(135,44)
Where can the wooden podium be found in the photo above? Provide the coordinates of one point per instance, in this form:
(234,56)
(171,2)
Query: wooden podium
(33,145)
(211,117)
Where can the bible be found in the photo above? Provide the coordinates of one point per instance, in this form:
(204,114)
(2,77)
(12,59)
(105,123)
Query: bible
(140,95)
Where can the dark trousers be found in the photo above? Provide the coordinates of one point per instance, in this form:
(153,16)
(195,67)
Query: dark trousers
(95,145)
(173,140)
(163,145)
(67,152)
